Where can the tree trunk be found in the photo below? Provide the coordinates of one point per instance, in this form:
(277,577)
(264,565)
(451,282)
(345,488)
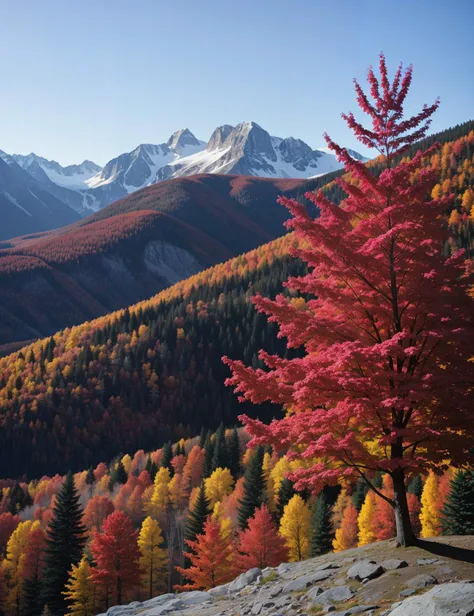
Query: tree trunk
(405,535)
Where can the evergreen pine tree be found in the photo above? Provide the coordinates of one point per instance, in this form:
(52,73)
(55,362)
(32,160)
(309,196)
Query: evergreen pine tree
(321,528)
(167,457)
(233,453)
(151,468)
(65,542)
(358,497)
(254,488)
(458,512)
(208,456)
(219,456)
(198,515)
(202,438)
(118,475)
(286,491)
(90,478)
(416,486)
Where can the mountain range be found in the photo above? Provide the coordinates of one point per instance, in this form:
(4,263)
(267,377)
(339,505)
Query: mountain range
(147,241)
(245,149)
(26,205)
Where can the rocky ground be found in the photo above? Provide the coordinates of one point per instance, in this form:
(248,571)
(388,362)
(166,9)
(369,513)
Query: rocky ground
(375,580)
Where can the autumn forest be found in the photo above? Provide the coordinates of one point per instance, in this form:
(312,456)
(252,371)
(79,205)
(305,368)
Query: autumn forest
(308,396)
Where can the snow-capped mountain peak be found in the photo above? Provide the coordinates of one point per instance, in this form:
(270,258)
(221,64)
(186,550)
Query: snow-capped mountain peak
(219,136)
(182,138)
(244,149)
(72,176)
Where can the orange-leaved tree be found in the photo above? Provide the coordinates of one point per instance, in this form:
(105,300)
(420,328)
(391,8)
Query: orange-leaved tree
(211,558)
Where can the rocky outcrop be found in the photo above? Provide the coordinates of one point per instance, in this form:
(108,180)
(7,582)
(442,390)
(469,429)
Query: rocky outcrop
(455,599)
(368,581)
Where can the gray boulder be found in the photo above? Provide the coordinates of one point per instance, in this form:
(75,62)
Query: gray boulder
(365,570)
(156,600)
(244,580)
(304,581)
(357,609)
(456,599)
(332,595)
(313,593)
(327,566)
(284,568)
(123,610)
(195,597)
(421,581)
(427,561)
(219,591)
(160,610)
(393,563)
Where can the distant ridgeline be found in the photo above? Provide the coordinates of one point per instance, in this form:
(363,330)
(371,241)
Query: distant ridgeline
(142,376)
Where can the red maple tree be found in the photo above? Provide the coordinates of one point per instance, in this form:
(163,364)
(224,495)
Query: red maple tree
(211,558)
(260,545)
(32,568)
(116,553)
(8,523)
(97,510)
(385,383)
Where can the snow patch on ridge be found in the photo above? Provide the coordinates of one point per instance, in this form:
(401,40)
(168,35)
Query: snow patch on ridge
(15,202)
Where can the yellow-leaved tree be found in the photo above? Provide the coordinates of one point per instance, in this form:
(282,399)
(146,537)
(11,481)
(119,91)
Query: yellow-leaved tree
(160,498)
(153,557)
(429,514)
(295,528)
(225,521)
(80,591)
(339,508)
(218,485)
(366,520)
(13,565)
(267,466)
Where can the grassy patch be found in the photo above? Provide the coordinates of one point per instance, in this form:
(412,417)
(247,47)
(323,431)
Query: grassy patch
(271,577)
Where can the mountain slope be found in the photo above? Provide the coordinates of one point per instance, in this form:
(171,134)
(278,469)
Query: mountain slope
(132,249)
(137,377)
(65,183)
(26,207)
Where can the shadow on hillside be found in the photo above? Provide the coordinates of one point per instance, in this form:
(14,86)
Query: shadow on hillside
(448,551)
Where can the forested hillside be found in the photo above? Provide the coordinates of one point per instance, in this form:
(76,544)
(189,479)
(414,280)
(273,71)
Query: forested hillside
(165,233)
(137,377)
(133,249)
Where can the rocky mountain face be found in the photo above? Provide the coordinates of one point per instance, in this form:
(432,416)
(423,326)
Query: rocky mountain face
(72,176)
(245,149)
(65,183)
(26,206)
(376,580)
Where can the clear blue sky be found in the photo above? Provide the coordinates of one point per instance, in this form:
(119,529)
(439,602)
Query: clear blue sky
(94,78)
